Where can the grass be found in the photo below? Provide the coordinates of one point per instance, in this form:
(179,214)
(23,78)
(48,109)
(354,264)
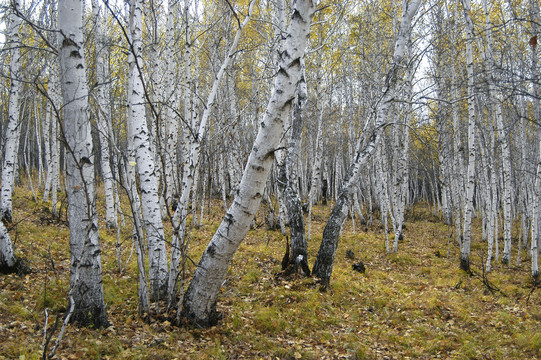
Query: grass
(414,304)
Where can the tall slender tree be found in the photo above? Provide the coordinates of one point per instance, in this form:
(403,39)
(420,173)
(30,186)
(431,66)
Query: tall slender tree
(144,156)
(13,128)
(86,287)
(472,152)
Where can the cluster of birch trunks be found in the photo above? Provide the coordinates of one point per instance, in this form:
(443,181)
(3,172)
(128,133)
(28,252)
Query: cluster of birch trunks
(371,106)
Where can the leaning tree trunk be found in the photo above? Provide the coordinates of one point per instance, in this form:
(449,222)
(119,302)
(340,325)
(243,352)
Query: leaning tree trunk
(192,165)
(86,276)
(201,296)
(325,257)
(13,127)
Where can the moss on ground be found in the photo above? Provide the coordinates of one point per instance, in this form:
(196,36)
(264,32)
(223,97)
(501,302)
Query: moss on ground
(413,304)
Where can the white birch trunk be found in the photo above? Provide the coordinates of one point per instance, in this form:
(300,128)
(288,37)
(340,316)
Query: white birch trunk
(470,183)
(536,210)
(86,276)
(383,193)
(37,128)
(400,173)
(146,170)
(325,258)
(46,130)
(201,296)
(318,148)
(288,183)
(496,101)
(457,178)
(192,164)
(7,256)
(103,114)
(55,152)
(171,106)
(13,126)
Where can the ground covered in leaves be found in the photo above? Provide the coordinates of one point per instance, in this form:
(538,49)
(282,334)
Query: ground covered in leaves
(413,304)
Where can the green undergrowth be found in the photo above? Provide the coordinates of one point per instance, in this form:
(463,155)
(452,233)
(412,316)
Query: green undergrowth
(415,303)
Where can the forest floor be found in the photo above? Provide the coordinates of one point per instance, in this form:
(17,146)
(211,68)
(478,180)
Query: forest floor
(413,304)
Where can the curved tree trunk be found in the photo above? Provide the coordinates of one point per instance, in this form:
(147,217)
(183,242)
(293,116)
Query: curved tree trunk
(192,165)
(325,257)
(201,296)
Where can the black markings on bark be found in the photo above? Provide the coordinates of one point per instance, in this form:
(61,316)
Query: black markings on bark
(75,54)
(68,42)
(295,63)
(283,72)
(211,251)
(289,102)
(297,16)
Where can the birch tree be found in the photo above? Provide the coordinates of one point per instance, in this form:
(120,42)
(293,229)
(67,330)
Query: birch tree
(102,116)
(470,176)
(192,162)
(496,100)
(536,209)
(144,156)
(86,275)
(13,127)
(199,305)
(325,257)
(288,182)
(8,261)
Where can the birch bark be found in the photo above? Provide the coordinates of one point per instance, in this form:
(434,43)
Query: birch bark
(287,181)
(7,256)
(146,170)
(102,119)
(496,100)
(13,126)
(172,104)
(86,276)
(470,179)
(201,296)
(325,258)
(189,178)
(536,210)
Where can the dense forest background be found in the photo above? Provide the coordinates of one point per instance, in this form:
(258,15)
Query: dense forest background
(400,138)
